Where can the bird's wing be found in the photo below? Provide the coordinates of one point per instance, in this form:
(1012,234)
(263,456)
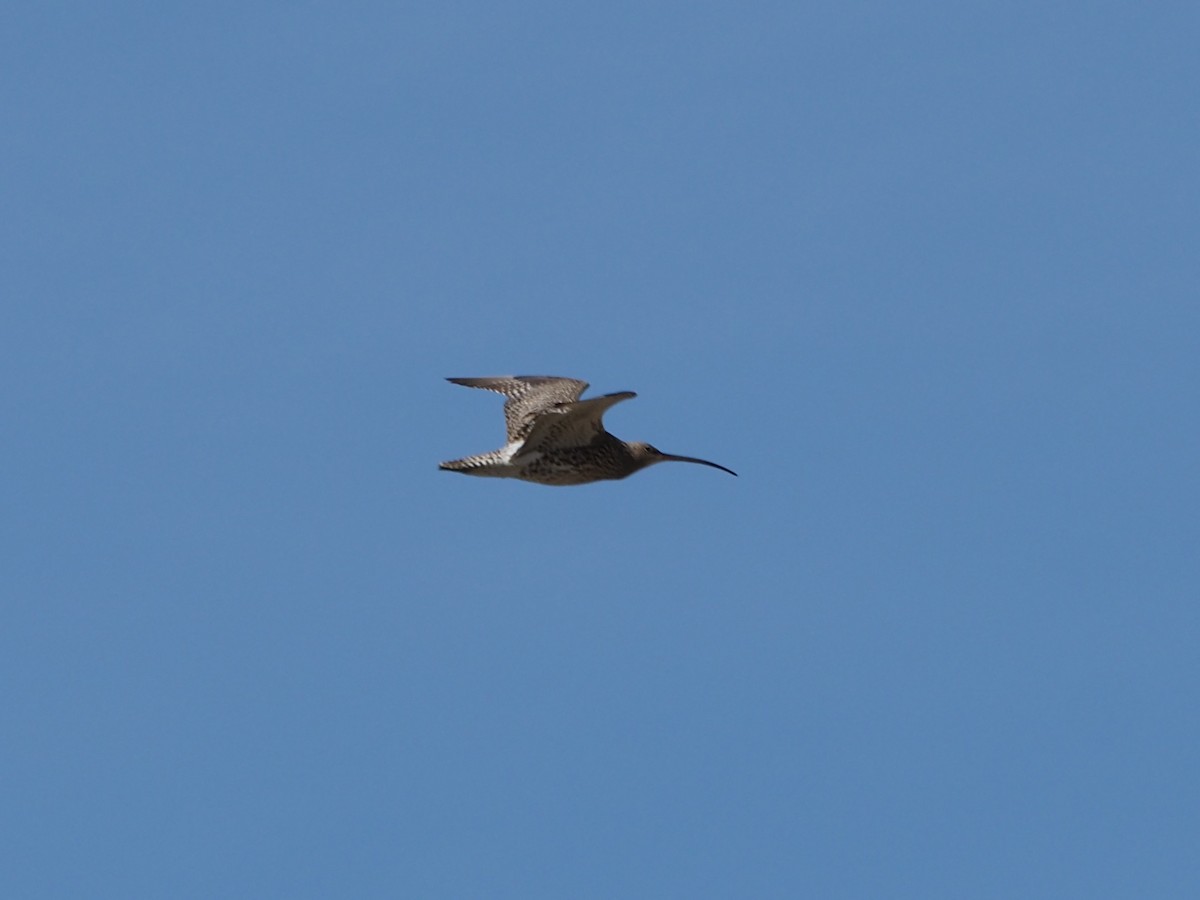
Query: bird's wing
(572,424)
(527,397)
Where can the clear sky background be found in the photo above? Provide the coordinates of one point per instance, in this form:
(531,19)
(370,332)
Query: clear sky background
(925,274)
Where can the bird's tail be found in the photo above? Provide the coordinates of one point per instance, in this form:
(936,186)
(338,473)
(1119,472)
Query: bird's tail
(487,464)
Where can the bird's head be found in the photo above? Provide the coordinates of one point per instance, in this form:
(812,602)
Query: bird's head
(646,455)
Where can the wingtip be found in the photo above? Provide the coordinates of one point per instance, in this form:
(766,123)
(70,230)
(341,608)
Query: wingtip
(466,381)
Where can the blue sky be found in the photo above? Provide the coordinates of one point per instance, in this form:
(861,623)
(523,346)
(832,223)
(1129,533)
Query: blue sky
(924,274)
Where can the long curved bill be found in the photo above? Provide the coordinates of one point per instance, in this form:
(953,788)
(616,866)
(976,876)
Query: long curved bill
(670,457)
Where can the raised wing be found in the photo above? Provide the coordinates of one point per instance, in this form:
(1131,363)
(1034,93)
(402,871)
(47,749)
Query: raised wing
(527,397)
(573,424)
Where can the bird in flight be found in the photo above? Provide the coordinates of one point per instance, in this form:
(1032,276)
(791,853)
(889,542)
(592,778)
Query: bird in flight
(556,438)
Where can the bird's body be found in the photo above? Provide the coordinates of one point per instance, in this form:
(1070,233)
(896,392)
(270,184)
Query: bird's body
(556,438)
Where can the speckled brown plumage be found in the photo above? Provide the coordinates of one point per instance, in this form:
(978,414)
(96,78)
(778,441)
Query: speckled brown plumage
(556,438)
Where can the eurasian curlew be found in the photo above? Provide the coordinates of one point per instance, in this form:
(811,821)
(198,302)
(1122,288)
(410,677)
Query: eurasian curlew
(556,438)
